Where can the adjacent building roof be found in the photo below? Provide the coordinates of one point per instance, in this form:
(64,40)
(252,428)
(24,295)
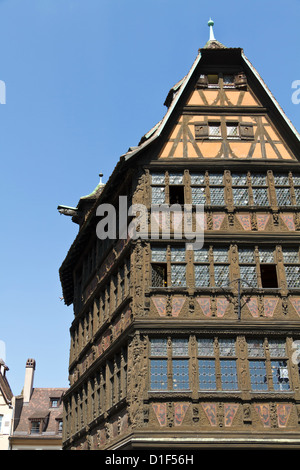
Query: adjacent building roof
(39,408)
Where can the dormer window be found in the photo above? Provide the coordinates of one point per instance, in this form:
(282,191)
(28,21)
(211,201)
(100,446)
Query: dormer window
(54,402)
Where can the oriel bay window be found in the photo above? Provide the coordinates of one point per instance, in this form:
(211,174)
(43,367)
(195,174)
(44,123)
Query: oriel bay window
(169,364)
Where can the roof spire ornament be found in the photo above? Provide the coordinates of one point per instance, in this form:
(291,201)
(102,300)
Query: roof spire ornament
(211,31)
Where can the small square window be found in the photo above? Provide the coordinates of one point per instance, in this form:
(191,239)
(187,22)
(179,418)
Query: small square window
(54,402)
(232,130)
(213,80)
(214,130)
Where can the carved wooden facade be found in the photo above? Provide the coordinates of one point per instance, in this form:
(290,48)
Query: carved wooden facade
(194,348)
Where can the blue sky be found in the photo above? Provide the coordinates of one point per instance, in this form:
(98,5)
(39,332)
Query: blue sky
(84,81)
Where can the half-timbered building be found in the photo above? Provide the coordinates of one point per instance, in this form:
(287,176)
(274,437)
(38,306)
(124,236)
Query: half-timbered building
(175,347)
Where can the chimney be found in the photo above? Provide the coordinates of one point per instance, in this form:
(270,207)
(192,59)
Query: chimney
(28,382)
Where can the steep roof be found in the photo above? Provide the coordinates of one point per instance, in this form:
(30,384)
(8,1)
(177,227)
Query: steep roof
(39,408)
(212,53)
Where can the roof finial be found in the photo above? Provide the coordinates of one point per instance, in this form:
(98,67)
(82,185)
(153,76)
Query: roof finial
(211,31)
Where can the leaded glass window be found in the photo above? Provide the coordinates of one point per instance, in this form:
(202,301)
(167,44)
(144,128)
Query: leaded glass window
(180,374)
(228,366)
(214,130)
(258,179)
(247,267)
(266,255)
(257,364)
(282,189)
(292,276)
(258,375)
(158,364)
(291,255)
(217,196)
(297,194)
(228,374)
(180,367)
(240,196)
(202,278)
(158,195)
(232,130)
(279,364)
(207,374)
(292,267)
(198,195)
(158,374)
(158,178)
(216,179)
(280,375)
(205,346)
(206,364)
(239,179)
(260,196)
(178,278)
(175,178)
(178,254)
(197,178)
(283,196)
(158,254)
(221,270)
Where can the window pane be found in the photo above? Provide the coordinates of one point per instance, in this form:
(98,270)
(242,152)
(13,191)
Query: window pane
(248,276)
(198,196)
(214,130)
(296,179)
(178,254)
(260,196)
(280,375)
(207,374)
(266,255)
(258,375)
(197,178)
(228,375)
(180,374)
(201,256)
(158,178)
(216,178)
(281,179)
(221,275)
(246,255)
(283,196)
(158,347)
(292,276)
(202,276)
(158,374)
(227,347)
(255,348)
(158,195)
(217,196)
(297,194)
(180,347)
(277,348)
(239,179)
(178,275)
(175,178)
(232,130)
(158,253)
(220,255)
(291,255)
(258,179)
(240,196)
(205,346)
